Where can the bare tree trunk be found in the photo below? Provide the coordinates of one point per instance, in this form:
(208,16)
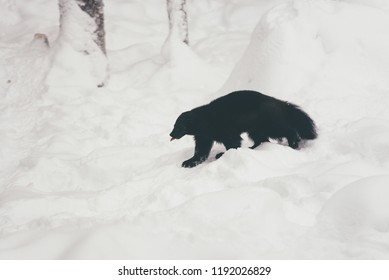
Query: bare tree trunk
(82,26)
(178,20)
(95,9)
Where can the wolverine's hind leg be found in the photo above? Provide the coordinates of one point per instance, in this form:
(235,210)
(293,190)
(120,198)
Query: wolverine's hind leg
(258,138)
(293,138)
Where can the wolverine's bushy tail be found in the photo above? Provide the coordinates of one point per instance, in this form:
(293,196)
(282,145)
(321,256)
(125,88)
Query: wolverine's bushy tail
(304,125)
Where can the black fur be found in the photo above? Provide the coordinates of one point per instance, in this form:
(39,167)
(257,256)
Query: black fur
(226,118)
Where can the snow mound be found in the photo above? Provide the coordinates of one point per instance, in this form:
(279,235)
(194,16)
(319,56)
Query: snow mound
(302,48)
(359,206)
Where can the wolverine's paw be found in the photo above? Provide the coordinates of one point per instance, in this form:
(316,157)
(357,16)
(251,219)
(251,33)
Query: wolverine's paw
(294,144)
(189,163)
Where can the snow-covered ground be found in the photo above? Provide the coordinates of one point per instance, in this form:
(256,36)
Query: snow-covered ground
(89,172)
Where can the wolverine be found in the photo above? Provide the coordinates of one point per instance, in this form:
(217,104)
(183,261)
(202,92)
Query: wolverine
(223,120)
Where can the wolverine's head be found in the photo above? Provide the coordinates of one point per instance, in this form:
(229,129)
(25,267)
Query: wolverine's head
(183,126)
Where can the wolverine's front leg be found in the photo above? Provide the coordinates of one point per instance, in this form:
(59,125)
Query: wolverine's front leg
(203,146)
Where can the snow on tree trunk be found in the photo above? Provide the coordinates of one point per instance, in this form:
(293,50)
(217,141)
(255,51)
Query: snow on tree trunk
(183,66)
(177,41)
(178,20)
(82,27)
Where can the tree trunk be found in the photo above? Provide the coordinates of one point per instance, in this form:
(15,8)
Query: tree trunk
(95,9)
(178,20)
(82,27)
